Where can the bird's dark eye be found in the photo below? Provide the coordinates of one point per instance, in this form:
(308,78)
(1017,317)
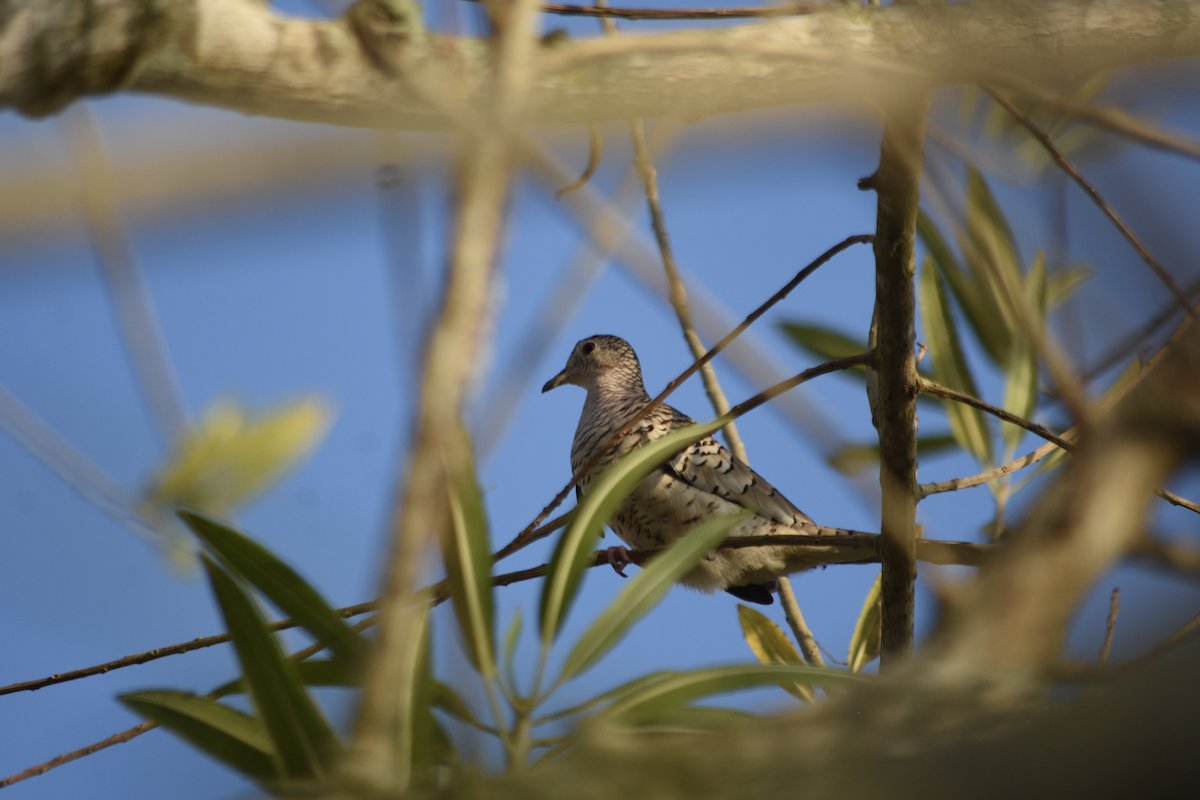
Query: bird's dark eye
(587,348)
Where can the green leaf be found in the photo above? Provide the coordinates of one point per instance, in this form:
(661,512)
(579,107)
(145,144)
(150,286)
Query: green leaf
(510,647)
(854,458)
(692,719)
(281,584)
(226,734)
(680,690)
(978,306)
(430,746)
(444,697)
(771,646)
(864,642)
(233,454)
(607,697)
(302,738)
(823,342)
(827,344)
(646,590)
(605,495)
(950,368)
(1021,384)
(469,562)
(316,672)
(1062,285)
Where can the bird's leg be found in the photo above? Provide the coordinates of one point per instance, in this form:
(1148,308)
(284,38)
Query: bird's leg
(619,558)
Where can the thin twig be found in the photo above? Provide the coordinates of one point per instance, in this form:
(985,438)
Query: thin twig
(1091,192)
(603,12)
(138,730)
(163,652)
(1187,633)
(1114,608)
(929,387)
(795,619)
(520,540)
(1109,118)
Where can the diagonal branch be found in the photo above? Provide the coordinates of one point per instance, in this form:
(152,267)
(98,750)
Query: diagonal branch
(1091,192)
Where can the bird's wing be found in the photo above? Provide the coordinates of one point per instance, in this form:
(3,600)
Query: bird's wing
(708,466)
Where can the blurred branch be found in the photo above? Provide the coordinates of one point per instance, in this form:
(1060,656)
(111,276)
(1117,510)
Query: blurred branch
(1091,192)
(892,375)
(241,55)
(604,12)
(124,278)
(1111,119)
(78,472)
(381,746)
(589,260)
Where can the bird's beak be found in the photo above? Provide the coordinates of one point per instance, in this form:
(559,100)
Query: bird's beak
(555,382)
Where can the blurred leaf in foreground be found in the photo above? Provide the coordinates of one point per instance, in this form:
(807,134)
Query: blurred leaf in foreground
(231,455)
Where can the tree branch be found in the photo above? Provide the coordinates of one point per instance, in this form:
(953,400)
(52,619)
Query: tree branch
(893,367)
(239,54)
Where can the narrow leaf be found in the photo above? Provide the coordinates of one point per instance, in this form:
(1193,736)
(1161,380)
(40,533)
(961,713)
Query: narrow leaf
(771,646)
(604,496)
(680,690)
(978,306)
(281,584)
(691,719)
(950,368)
(301,736)
(314,672)
(646,589)
(824,343)
(233,454)
(430,746)
(991,254)
(469,562)
(226,734)
(857,457)
(444,697)
(1021,382)
(510,645)
(1062,285)
(607,697)
(827,344)
(864,642)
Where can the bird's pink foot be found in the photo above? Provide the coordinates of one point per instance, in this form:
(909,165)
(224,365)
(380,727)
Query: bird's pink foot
(619,558)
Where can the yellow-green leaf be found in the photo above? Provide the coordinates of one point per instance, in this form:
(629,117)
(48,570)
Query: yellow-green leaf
(864,643)
(602,499)
(232,455)
(950,368)
(771,645)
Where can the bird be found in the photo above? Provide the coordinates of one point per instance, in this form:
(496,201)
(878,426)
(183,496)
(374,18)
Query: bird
(702,481)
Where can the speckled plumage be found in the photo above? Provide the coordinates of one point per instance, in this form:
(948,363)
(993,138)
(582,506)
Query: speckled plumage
(703,480)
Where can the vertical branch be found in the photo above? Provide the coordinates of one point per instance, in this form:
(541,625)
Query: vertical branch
(897,183)
(124,279)
(378,758)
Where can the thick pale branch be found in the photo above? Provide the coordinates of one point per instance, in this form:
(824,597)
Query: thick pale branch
(241,55)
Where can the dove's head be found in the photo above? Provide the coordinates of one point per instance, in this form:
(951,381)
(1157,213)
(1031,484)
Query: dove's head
(600,359)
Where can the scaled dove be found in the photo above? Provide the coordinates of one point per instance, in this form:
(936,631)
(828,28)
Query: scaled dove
(702,481)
